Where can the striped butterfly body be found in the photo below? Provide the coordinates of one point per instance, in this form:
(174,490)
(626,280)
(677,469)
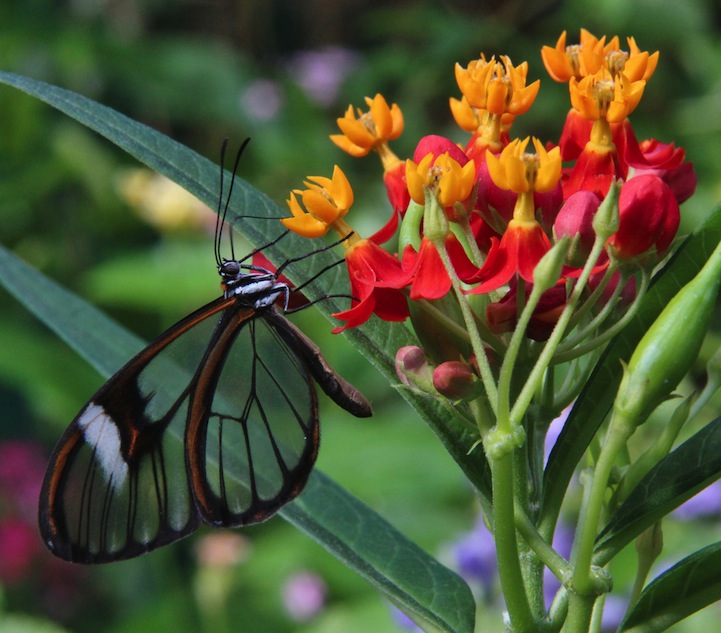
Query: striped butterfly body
(214,422)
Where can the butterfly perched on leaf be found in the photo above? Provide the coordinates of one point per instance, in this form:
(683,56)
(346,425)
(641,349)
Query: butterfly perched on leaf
(216,421)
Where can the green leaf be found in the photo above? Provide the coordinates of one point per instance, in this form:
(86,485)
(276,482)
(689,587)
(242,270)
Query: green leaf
(354,533)
(687,587)
(680,475)
(377,340)
(596,399)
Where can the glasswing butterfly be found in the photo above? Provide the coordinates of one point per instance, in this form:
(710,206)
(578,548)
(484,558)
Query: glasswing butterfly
(215,422)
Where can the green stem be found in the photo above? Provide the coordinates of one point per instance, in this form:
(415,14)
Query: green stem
(591,511)
(558,565)
(536,376)
(484,366)
(566,351)
(504,530)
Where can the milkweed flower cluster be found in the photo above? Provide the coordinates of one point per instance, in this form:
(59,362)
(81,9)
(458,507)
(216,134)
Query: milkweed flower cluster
(485,213)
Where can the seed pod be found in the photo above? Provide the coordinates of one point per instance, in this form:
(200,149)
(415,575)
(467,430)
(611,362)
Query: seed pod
(669,347)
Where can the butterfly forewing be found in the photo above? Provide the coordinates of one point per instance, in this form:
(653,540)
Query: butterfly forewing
(116,485)
(253,437)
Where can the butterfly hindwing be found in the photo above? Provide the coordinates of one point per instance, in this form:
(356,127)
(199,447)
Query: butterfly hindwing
(253,435)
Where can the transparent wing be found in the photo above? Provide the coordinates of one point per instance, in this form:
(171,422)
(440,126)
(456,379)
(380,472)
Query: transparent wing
(252,434)
(116,486)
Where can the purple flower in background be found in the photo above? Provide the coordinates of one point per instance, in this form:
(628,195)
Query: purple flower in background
(19,548)
(304,595)
(475,556)
(554,430)
(614,608)
(706,503)
(404,622)
(262,100)
(321,73)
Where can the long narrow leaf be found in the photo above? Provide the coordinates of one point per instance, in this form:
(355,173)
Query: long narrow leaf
(676,478)
(354,533)
(687,587)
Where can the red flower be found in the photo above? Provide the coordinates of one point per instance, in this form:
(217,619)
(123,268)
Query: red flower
(666,161)
(438,145)
(648,217)
(519,250)
(375,277)
(594,171)
(426,273)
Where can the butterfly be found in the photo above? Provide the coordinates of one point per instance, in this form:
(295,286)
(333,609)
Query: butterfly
(216,422)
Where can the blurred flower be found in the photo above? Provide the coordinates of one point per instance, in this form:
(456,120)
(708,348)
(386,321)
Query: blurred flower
(304,595)
(404,622)
(223,549)
(22,466)
(475,556)
(706,503)
(163,203)
(262,100)
(19,548)
(554,430)
(321,73)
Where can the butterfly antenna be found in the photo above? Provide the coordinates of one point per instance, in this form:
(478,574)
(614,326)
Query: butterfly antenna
(223,208)
(219,215)
(318,300)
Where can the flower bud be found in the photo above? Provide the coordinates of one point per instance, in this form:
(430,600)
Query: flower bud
(648,217)
(455,380)
(669,347)
(575,220)
(413,368)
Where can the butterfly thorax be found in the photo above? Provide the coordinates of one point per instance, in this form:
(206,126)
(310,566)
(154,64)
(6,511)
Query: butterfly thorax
(256,287)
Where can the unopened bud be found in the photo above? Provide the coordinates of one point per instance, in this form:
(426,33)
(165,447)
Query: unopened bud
(413,368)
(455,380)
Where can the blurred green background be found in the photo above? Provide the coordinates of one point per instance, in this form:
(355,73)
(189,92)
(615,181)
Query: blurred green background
(280,72)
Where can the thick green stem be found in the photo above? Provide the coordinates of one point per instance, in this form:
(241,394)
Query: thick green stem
(504,530)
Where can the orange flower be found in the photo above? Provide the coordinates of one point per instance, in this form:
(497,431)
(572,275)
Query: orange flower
(326,201)
(370,130)
(445,177)
(498,87)
(599,97)
(592,55)
(522,172)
